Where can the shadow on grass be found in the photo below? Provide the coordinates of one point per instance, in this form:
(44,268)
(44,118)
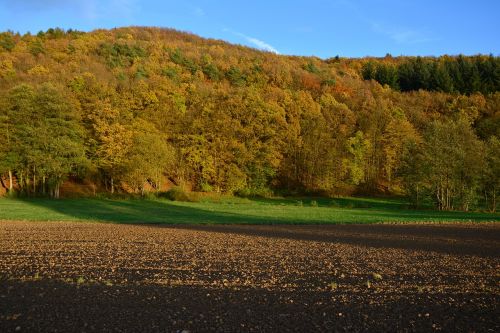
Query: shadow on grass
(140,211)
(340,202)
(256,211)
(225,218)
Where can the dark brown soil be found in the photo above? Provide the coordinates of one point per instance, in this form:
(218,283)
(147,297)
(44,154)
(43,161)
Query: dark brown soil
(67,277)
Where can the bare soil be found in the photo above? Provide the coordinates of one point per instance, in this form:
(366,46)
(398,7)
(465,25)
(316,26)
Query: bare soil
(67,277)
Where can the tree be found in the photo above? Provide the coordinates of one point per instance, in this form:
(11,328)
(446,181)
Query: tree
(111,139)
(148,158)
(455,160)
(240,119)
(491,174)
(398,132)
(48,138)
(358,147)
(9,157)
(412,170)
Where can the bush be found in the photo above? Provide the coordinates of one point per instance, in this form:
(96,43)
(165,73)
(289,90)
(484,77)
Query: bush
(335,204)
(149,196)
(255,193)
(205,187)
(176,194)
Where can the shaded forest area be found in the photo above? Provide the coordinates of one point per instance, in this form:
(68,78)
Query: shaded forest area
(464,75)
(130,109)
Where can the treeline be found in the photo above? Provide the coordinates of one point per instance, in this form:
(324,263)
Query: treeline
(131,109)
(464,75)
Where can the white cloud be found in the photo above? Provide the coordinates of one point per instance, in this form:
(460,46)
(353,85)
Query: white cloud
(257,42)
(261,44)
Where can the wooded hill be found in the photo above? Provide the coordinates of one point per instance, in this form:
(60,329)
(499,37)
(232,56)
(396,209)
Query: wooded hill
(128,108)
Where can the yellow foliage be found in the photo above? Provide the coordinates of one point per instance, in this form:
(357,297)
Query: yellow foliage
(7,69)
(38,70)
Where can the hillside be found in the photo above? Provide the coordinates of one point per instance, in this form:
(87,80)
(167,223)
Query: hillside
(130,108)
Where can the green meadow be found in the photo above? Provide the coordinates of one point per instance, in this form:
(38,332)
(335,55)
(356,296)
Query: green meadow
(230,210)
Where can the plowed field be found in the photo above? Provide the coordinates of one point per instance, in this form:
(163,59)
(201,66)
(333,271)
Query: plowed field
(69,276)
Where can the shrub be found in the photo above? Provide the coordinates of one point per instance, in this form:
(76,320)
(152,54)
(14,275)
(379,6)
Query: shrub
(335,204)
(149,196)
(176,194)
(255,193)
(205,187)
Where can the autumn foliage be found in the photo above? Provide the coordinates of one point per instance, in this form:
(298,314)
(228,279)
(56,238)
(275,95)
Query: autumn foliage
(129,109)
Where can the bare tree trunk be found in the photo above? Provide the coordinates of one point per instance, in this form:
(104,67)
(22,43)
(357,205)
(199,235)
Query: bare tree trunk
(11,185)
(112,186)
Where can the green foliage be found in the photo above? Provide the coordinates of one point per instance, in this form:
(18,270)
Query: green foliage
(120,55)
(7,41)
(55,33)
(311,68)
(178,58)
(358,147)
(328,82)
(170,72)
(369,70)
(47,139)
(36,47)
(448,166)
(465,75)
(236,77)
(147,158)
(177,194)
(255,193)
(491,174)
(141,73)
(205,187)
(212,72)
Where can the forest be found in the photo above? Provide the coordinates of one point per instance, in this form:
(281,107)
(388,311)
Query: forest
(138,109)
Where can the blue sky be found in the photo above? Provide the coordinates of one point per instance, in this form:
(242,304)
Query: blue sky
(350,28)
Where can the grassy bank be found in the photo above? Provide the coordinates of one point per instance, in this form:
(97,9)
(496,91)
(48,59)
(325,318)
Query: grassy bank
(228,210)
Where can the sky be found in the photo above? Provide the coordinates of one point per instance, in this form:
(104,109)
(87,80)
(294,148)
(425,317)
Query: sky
(348,28)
